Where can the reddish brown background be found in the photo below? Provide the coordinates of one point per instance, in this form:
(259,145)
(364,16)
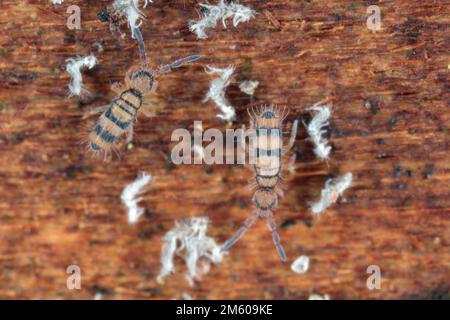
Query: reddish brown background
(390,128)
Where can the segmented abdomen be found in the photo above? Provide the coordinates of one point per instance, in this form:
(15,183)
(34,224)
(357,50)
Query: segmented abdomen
(268,156)
(115,121)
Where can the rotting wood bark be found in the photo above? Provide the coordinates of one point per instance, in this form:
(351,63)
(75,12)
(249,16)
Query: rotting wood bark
(390,94)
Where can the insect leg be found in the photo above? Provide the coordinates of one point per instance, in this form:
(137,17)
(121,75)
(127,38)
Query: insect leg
(279,190)
(148,113)
(252,184)
(293,135)
(130,134)
(96,110)
(276,239)
(247,224)
(290,165)
(117,87)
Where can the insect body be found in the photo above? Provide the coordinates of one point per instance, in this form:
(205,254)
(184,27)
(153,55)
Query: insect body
(118,117)
(116,120)
(267,123)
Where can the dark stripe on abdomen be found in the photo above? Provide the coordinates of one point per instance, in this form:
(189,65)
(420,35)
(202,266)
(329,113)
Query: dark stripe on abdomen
(269,207)
(121,124)
(268,153)
(133,93)
(118,103)
(105,135)
(274,132)
(95,147)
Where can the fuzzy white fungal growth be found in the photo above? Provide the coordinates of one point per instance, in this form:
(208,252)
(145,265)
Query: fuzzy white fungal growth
(315,130)
(56,1)
(188,239)
(249,87)
(130,8)
(332,191)
(315,296)
(73,67)
(216,92)
(212,14)
(129,195)
(98,296)
(186,296)
(300,265)
(199,151)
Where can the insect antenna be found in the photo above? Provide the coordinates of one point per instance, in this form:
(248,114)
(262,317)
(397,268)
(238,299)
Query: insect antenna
(177,63)
(247,224)
(276,239)
(142,52)
(293,135)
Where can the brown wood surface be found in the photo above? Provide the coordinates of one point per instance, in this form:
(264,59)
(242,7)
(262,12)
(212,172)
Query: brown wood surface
(390,128)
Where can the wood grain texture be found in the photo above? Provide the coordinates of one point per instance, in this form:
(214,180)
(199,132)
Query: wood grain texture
(390,128)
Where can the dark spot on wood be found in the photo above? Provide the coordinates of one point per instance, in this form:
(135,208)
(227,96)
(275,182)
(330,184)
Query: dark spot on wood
(442,292)
(413,130)
(287,223)
(400,186)
(148,213)
(408,32)
(209,170)
(308,222)
(95,289)
(242,203)
(14,138)
(411,54)
(397,171)
(299,155)
(381,155)
(73,228)
(103,15)
(168,164)
(71,171)
(407,201)
(428,171)
(333,172)
(96,242)
(147,233)
(69,38)
(154,292)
